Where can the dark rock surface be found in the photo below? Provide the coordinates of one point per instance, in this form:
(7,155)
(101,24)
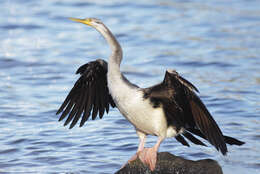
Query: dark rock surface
(171,164)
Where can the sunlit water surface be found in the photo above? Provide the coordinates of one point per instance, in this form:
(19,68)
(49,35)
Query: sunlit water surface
(213,44)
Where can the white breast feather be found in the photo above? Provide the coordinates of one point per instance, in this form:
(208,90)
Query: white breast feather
(136,109)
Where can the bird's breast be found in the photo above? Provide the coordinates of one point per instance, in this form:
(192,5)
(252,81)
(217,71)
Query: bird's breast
(137,110)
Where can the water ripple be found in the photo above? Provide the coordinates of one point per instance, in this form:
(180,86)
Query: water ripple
(21,27)
(8,151)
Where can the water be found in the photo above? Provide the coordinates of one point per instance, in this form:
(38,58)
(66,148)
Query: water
(213,44)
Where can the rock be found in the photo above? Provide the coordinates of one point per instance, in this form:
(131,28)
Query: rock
(171,164)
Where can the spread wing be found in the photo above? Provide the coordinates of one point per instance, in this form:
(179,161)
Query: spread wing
(89,96)
(184,109)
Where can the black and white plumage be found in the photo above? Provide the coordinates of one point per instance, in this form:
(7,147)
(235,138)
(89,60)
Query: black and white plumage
(184,110)
(168,109)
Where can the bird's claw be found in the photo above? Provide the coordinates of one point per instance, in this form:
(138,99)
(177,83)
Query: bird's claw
(149,157)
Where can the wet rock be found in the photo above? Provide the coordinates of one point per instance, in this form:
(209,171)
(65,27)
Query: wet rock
(168,163)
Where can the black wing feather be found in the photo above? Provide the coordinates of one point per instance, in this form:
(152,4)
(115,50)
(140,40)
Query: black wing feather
(79,110)
(101,100)
(95,105)
(193,139)
(89,96)
(182,140)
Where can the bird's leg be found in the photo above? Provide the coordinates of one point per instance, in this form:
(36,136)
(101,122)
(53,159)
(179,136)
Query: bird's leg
(142,142)
(149,155)
(142,138)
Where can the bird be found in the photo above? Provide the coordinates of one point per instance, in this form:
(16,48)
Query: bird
(171,108)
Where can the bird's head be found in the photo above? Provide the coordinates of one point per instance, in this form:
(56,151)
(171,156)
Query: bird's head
(105,32)
(93,22)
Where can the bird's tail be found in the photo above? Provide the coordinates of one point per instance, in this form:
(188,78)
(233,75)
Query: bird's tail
(227,139)
(233,141)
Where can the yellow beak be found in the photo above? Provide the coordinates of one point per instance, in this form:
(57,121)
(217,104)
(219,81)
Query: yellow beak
(86,21)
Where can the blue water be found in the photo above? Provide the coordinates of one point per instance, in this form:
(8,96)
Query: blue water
(213,44)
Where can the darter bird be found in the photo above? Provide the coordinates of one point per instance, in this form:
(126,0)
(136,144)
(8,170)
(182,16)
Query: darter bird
(168,109)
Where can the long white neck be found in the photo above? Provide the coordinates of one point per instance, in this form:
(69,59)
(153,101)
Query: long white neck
(119,87)
(116,54)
